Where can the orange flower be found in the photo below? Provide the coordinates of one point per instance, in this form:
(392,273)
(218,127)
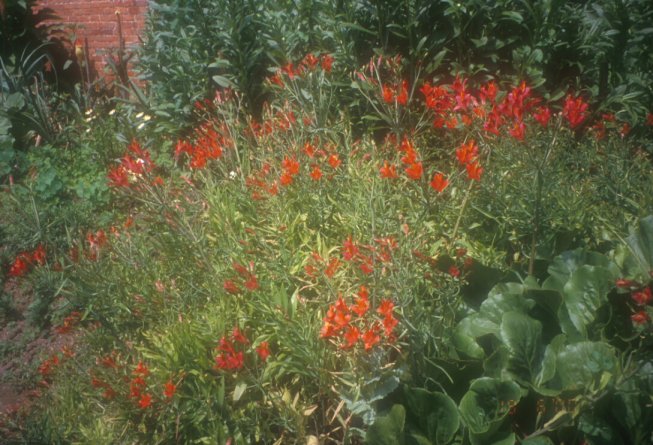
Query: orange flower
(370,338)
(316,173)
(169,389)
(351,336)
(388,171)
(334,161)
(388,94)
(263,351)
(415,170)
(145,401)
(474,171)
(385,308)
(439,182)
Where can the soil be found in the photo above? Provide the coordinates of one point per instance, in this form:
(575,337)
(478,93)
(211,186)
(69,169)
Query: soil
(22,349)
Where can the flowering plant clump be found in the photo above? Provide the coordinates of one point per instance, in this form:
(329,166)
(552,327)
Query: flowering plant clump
(298,275)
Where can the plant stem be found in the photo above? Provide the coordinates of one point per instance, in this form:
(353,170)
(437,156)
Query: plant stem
(462,210)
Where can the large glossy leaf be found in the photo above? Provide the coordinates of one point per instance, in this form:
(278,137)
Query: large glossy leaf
(584,293)
(565,264)
(484,407)
(640,244)
(502,298)
(548,365)
(437,414)
(580,366)
(388,429)
(523,336)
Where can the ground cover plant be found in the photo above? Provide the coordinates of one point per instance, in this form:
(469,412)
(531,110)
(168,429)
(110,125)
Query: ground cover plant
(389,247)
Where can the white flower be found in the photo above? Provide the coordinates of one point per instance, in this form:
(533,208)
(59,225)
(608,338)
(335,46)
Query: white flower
(232,175)
(139,115)
(112,112)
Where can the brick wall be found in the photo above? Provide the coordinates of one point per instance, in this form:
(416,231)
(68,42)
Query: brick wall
(94,23)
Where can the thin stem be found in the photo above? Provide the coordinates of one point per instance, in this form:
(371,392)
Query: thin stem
(462,210)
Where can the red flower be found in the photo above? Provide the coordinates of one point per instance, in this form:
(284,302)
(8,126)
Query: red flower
(625,129)
(326,62)
(454,271)
(118,177)
(145,401)
(230,287)
(351,336)
(474,171)
(389,323)
(361,305)
(488,92)
(290,165)
(388,171)
(251,283)
(574,111)
(238,336)
(331,268)
(518,131)
(466,153)
(38,256)
(643,297)
(388,94)
(385,308)
(622,282)
(285,179)
(349,249)
(640,317)
(141,370)
(169,389)
(263,351)
(316,173)
(439,182)
(370,338)
(415,170)
(20,265)
(542,115)
(334,161)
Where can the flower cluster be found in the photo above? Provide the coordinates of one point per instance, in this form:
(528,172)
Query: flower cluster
(134,165)
(69,322)
(25,260)
(357,323)
(307,65)
(231,351)
(244,278)
(467,155)
(208,144)
(641,296)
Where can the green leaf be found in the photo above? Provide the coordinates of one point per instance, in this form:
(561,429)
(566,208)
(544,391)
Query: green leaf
(640,242)
(548,365)
(539,440)
(436,412)
(223,82)
(239,390)
(502,298)
(580,366)
(566,263)
(584,293)
(484,407)
(388,429)
(522,335)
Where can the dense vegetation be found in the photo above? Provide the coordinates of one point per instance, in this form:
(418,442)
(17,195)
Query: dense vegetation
(410,222)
